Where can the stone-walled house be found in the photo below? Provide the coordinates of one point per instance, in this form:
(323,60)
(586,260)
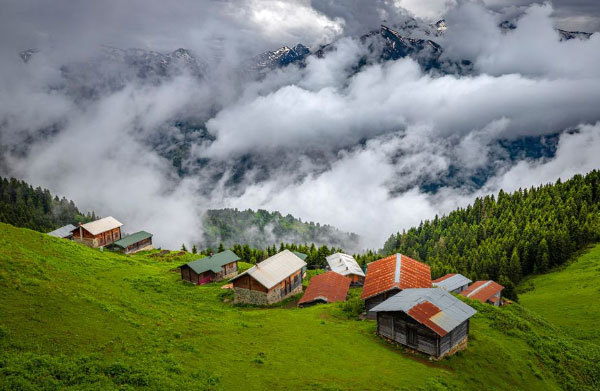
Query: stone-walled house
(271,280)
(220,266)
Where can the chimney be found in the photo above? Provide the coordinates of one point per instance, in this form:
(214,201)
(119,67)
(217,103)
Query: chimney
(80,224)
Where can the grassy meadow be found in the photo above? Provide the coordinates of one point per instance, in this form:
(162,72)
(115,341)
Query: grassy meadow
(77,318)
(568,296)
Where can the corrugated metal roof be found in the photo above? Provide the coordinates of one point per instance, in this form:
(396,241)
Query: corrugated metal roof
(102,225)
(482,290)
(275,269)
(396,271)
(214,262)
(63,232)
(344,264)
(132,239)
(300,255)
(329,287)
(422,304)
(451,282)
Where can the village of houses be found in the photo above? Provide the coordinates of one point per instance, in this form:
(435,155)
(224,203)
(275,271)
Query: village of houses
(409,307)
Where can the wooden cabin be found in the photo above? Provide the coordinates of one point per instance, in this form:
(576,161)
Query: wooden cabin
(346,265)
(328,287)
(65,232)
(98,233)
(271,280)
(453,283)
(220,266)
(485,291)
(390,275)
(429,320)
(133,243)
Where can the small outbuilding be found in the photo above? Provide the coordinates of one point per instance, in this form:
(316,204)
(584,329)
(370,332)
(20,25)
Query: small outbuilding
(98,233)
(485,291)
(346,265)
(389,275)
(453,283)
(429,320)
(271,280)
(328,287)
(65,232)
(217,267)
(133,243)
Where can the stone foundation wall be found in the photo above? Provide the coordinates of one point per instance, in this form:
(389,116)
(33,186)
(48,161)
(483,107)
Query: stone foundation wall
(228,276)
(275,295)
(247,296)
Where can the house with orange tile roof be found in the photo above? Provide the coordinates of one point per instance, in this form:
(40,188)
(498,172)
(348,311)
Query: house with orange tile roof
(391,275)
(328,287)
(485,291)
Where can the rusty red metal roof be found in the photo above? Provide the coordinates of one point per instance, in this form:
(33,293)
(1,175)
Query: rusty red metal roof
(329,287)
(423,312)
(482,290)
(443,278)
(396,271)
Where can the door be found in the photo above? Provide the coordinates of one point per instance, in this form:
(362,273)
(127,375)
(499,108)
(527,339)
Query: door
(411,336)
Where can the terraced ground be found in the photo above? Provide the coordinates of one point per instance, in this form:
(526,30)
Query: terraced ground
(77,318)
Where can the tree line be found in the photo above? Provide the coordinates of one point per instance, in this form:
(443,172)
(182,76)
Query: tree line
(509,236)
(22,205)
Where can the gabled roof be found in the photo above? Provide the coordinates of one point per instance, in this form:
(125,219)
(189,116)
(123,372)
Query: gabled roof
(300,255)
(433,307)
(275,269)
(395,272)
(132,239)
(328,287)
(63,232)
(102,225)
(482,290)
(344,264)
(213,263)
(450,282)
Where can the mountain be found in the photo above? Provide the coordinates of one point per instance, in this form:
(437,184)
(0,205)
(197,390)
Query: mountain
(508,236)
(279,58)
(76,318)
(262,228)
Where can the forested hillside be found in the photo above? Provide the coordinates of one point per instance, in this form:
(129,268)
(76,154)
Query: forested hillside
(262,228)
(23,206)
(509,236)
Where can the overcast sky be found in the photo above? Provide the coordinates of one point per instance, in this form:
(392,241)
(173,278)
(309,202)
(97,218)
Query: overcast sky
(343,148)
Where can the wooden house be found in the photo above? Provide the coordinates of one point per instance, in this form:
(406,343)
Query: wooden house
(390,275)
(65,232)
(453,283)
(328,287)
(217,267)
(346,265)
(429,320)
(485,291)
(133,243)
(271,280)
(98,233)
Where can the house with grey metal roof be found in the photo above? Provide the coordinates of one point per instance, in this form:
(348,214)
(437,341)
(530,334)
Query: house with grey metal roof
(216,267)
(346,265)
(65,232)
(271,280)
(429,320)
(453,283)
(133,243)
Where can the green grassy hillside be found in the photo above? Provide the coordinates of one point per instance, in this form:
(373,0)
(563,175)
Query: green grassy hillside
(568,296)
(73,317)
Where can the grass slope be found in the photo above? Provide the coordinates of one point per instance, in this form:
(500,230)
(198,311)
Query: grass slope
(77,318)
(568,296)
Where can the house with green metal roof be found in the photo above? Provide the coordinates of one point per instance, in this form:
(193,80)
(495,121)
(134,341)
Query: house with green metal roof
(133,243)
(220,266)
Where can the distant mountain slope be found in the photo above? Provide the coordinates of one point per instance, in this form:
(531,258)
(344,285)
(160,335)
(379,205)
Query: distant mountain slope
(509,236)
(76,318)
(262,228)
(23,206)
(567,296)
